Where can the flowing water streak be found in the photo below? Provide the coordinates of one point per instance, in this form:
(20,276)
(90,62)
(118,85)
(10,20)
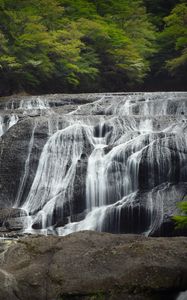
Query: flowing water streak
(108,175)
(96,180)
(34,103)
(53,183)
(28,104)
(1,126)
(149,104)
(12,120)
(182,296)
(154,205)
(26,169)
(93,221)
(6,122)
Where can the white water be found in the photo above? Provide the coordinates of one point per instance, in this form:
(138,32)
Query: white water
(116,147)
(53,183)
(28,104)
(6,122)
(182,296)
(26,169)
(35,103)
(1,126)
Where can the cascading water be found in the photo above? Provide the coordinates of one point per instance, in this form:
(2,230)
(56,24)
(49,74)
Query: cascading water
(112,165)
(36,103)
(10,119)
(53,184)
(6,122)
(26,170)
(31,104)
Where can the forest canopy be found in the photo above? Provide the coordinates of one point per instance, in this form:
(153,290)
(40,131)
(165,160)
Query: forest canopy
(92,45)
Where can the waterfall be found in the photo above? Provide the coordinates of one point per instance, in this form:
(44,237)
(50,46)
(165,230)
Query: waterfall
(109,165)
(96,185)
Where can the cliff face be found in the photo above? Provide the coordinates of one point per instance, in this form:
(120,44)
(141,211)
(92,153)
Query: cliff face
(105,162)
(90,265)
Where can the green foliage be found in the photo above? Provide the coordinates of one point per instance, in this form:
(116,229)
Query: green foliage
(173,41)
(176,30)
(89,44)
(158,9)
(181,221)
(39,44)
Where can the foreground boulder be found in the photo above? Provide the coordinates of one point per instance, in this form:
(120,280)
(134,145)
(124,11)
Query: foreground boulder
(92,266)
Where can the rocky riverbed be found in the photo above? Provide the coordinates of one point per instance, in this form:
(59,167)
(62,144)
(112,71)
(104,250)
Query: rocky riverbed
(93,266)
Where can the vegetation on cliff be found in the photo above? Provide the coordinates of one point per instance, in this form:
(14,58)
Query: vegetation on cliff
(181,221)
(90,45)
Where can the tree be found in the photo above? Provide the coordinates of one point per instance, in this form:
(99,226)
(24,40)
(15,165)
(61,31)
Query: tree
(176,35)
(69,43)
(123,39)
(173,42)
(38,44)
(90,45)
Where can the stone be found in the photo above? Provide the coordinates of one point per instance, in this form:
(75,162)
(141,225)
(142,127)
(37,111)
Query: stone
(89,265)
(10,213)
(14,224)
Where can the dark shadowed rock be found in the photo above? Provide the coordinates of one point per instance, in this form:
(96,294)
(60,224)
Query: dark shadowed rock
(10,213)
(14,224)
(15,147)
(11,219)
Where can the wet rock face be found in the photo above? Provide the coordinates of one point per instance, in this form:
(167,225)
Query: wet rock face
(90,265)
(15,154)
(105,162)
(10,213)
(11,220)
